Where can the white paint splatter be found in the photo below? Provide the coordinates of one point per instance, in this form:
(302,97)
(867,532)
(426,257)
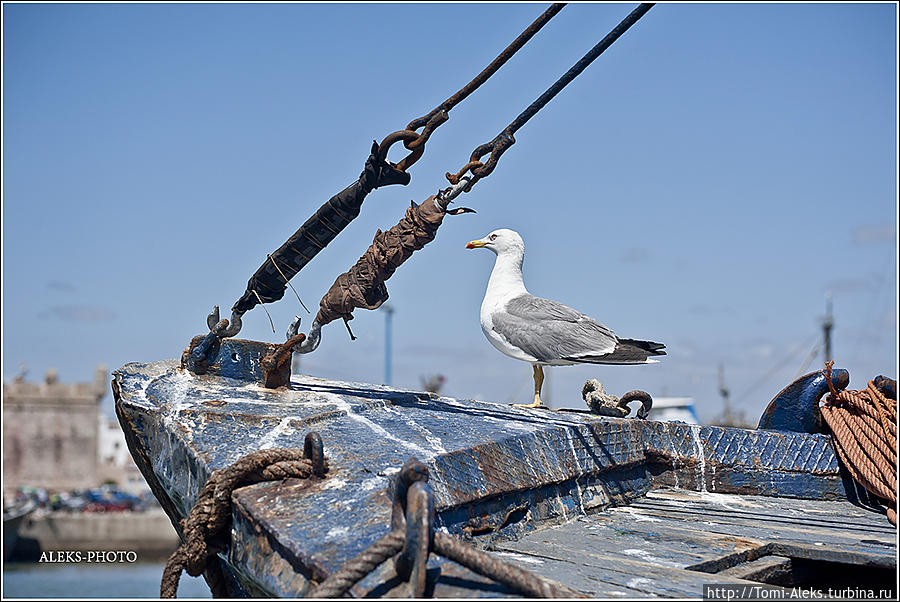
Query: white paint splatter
(637,582)
(642,554)
(344,405)
(571,441)
(637,516)
(333,483)
(282,428)
(372,484)
(435,442)
(674,455)
(520,557)
(698,450)
(337,532)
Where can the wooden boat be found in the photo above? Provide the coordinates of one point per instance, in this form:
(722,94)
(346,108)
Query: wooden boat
(612,508)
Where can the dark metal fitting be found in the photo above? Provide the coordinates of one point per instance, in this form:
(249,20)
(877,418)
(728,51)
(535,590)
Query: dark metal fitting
(413,471)
(887,386)
(312,339)
(205,350)
(643,397)
(796,407)
(212,320)
(210,343)
(314,451)
(411,563)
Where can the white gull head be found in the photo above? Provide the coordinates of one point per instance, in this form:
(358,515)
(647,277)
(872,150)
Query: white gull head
(502,242)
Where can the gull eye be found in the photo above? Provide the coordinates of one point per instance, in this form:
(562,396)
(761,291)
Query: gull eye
(493,237)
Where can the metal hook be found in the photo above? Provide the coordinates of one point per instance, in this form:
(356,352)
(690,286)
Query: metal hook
(446,196)
(230,329)
(311,342)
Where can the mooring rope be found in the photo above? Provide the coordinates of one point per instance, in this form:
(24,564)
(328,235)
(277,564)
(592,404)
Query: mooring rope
(415,549)
(519,580)
(206,528)
(864,425)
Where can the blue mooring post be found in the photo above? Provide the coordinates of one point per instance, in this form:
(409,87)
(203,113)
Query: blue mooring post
(388,315)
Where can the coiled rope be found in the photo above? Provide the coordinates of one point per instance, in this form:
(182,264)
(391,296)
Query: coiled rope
(864,425)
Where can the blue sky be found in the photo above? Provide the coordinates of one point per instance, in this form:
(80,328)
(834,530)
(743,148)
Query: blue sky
(705,183)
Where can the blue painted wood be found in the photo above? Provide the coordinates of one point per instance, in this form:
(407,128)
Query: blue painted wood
(497,471)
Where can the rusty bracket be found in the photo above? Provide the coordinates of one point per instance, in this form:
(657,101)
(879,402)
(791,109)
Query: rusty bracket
(796,407)
(276,366)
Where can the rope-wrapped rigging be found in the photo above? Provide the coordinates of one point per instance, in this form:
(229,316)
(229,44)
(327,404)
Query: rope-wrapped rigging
(363,285)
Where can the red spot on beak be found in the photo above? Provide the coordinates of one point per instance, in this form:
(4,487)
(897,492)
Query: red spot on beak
(470,245)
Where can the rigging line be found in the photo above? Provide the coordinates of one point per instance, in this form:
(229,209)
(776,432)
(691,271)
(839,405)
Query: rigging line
(577,68)
(873,303)
(415,142)
(774,369)
(488,71)
(812,355)
(505,139)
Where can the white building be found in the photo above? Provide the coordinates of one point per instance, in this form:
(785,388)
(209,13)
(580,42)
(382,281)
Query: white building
(670,409)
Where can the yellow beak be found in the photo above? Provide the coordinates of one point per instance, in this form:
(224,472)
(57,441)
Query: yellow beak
(475,244)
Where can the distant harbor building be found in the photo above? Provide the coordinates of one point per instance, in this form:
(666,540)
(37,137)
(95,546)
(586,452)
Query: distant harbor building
(55,437)
(672,409)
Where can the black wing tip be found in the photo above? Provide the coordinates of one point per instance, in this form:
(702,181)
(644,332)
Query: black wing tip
(651,347)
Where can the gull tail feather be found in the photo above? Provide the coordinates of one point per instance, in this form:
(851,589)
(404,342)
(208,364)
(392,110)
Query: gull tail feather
(627,351)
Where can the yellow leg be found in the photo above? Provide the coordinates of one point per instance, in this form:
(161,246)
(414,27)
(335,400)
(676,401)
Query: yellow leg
(538,383)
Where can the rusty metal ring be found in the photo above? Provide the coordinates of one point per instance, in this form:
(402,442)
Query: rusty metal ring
(410,159)
(430,126)
(392,139)
(413,471)
(412,562)
(638,395)
(497,149)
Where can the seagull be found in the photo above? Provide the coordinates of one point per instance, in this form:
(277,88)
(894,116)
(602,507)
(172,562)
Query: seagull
(540,331)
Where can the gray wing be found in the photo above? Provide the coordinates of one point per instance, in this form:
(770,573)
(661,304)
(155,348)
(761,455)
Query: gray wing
(548,330)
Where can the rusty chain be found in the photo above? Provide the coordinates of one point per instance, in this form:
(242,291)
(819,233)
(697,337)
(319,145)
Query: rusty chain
(864,425)
(415,142)
(505,139)
(206,528)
